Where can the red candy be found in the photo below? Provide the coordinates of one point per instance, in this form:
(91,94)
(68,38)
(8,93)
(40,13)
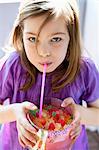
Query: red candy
(53,118)
(51,126)
(42,121)
(62,122)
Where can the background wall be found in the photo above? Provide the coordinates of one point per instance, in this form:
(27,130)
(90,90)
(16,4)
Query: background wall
(8,13)
(91,30)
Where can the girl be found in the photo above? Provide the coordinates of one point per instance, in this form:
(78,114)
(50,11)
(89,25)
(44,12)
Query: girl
(46,31)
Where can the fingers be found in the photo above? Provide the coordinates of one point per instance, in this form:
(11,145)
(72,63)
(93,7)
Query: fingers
(68,101)
(75,131)
(26,132)
(72,107)
(76,127)
(29,105)
(75,135)
(26,138)
(25,123)
(30,136)
(21,142)
(77,117)
(22,119)
(25,142)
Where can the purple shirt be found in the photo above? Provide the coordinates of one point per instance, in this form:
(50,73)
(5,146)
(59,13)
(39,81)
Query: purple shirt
(84,87)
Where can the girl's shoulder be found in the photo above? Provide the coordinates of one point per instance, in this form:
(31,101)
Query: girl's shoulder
(11,64)
(10,60)
(89,74)
(88,80)
(87,66)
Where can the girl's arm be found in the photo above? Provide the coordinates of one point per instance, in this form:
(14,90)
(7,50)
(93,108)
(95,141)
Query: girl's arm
(10,113)
(89,114)
(7,113)
(27,134)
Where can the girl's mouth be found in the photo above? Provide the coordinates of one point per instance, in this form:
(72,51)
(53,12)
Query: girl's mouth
(47,63)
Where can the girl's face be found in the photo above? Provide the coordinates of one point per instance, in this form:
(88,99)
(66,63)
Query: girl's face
(51,45)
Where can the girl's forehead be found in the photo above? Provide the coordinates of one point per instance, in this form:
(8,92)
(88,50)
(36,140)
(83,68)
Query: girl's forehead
(54,24)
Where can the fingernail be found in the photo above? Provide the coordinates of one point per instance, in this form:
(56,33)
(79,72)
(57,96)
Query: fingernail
(62,104)
(29,146)
(33,145)
(34,107)
(73,137)
(71,134)
(34,141)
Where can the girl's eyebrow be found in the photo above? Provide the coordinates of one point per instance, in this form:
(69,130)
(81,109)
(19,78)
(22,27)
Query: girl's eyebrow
(63,33)
(31,33)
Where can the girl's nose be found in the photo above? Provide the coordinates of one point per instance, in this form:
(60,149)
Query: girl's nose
(43,50)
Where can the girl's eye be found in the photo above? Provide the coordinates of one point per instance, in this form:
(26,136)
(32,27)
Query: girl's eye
(56,39)
(32,39)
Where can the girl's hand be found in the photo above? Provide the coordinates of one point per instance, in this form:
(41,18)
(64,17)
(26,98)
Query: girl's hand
(76,125)
(26,132)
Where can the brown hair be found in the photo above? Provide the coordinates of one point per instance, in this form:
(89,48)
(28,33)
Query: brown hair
(67,9)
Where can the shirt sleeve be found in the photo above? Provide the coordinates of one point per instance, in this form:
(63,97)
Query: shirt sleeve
(91,82)
(6,80)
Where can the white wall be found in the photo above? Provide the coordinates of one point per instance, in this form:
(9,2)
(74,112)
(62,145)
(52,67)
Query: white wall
(91,31)
(8,13)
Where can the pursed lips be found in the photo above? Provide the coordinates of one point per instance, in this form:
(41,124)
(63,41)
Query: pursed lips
(47,63)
